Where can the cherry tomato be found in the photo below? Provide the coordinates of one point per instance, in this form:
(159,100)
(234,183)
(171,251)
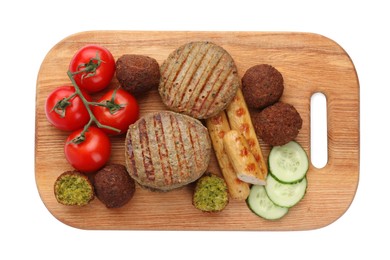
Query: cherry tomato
(95,67)
(91,154)
(64,114)
(121,111)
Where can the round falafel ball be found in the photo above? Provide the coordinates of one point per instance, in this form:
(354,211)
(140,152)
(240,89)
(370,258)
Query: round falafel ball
(137,73)
(211,193)
(73,188)
(277,124)
(114,186)
(262,85)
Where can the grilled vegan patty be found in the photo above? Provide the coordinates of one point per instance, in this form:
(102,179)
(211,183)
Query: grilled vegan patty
(166,150)
(198,79)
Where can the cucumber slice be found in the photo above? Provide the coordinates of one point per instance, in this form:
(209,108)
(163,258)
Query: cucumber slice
(285,195)
(288,163)
(262,206)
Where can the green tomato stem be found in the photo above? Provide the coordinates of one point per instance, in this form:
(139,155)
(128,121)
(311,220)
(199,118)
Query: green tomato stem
(90,67)
(92,116)
(110,104)
(61,105)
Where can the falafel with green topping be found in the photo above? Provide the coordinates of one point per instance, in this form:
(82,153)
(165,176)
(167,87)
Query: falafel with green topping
(211,193)
(74,189)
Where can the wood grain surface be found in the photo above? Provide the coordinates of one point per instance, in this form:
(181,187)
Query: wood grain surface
(309,63)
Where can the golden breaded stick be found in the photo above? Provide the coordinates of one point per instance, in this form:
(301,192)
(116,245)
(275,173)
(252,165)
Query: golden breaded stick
(240,120)
(243,161)
(217,126)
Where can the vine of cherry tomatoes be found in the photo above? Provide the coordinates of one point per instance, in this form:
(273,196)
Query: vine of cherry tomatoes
(71,108)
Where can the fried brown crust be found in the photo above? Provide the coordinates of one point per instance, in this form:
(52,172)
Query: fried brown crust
(262,86)
(277,124)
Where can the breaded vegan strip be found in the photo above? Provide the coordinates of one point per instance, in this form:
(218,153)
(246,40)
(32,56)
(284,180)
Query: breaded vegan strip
(243,161)
(218,126)
(240,120)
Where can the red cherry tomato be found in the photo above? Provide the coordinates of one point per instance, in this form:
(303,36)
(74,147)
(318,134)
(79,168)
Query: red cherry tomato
(122,110)
(91,154)
(67,115)
(95,67)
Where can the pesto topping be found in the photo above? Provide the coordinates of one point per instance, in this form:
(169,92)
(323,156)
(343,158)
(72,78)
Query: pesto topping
(73,189)
(211,194)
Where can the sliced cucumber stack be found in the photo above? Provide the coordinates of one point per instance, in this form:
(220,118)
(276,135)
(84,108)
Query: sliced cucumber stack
(285,185)
(262,206)
(288,163)
(285,195)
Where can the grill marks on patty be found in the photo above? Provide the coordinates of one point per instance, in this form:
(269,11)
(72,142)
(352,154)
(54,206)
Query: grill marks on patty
(226,76)
(183,161)
(186,74)
(165,150)
(162,150)
(205,84)
(179,67)
(198,79)
(147,158)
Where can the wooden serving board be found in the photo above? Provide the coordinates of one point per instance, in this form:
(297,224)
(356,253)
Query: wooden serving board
(309,63)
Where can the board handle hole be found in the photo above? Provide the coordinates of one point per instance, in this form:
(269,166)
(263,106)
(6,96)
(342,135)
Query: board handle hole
(318,130)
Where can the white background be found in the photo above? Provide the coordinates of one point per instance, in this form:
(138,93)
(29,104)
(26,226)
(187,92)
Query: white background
(30,28)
